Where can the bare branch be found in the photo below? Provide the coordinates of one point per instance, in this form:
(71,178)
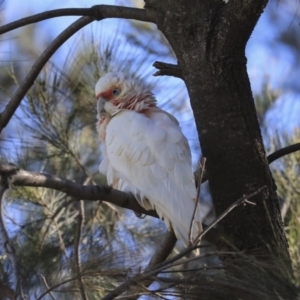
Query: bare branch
(16,99)
(47,286)
(164,250)
(168,70)
(271,157)
(161,254)
(98,12)
(55,286)
(282,152)
(19,177)
(238,202)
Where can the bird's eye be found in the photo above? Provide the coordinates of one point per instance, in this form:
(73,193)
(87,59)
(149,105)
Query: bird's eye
(116,92)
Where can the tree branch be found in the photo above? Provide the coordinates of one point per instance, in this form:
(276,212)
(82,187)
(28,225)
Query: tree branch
(55,286)
(98,12)
(271,158)
(237,203)
(47,286)
(161,254)
(168,70)
(164,250)
(282,152)
(16,99)
(77,252)
(19,177)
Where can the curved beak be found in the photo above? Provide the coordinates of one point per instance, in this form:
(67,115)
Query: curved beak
(100,105)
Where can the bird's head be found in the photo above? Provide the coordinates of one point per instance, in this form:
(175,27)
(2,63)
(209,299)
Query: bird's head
(116,91)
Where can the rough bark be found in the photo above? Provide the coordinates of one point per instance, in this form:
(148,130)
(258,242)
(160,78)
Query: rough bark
(209,38)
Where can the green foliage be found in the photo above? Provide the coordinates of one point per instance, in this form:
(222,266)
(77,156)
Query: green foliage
(286,173)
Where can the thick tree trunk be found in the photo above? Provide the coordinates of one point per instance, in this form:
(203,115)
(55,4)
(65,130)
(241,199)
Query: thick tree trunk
(209,39)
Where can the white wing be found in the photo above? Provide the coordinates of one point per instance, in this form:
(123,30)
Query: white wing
(148,155)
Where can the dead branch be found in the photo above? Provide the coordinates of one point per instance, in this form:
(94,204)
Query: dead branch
(168,70)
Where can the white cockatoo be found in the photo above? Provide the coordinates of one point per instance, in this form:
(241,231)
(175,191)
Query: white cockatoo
(145,152)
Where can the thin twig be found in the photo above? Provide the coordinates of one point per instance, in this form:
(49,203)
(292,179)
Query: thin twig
(240,201)
(199,178)
(47,286)
(218,283)
(55,286)
(7,244)
(164,250)
(17,97)
(77,254)
(98,12)
(161,254)
(51,220)
(206,231)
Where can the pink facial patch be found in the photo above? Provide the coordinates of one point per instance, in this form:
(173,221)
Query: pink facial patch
(107,95)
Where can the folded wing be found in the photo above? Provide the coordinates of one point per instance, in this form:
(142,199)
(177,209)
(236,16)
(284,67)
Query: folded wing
(147,154)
